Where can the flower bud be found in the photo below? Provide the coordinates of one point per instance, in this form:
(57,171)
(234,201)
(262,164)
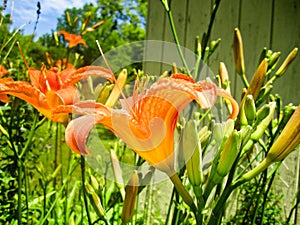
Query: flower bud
(264,93)
(198,46)
(68,18)
(228,156)
(238,52)
(117,172)
(204,135)
(286,62)
(95,200)
(287,113)
(192,153)
(87,21)
(119,85)
(130,198)
(258,79)
(273,60)
(224,77)
(250,109)
(102,92)
(288,140)
(267,114)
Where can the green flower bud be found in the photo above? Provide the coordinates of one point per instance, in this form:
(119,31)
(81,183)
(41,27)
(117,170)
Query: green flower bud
(290,58)
(95,200)
(229,153)
(130,198)
(119,85)
(238,52)
(273,60)
(192,153)
(102,92)
(263,123)
(250,109)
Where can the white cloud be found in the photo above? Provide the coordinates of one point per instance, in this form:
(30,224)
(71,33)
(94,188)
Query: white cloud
(25,11)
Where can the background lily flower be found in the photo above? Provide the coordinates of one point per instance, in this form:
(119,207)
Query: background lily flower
(72,39)
(3,71)
(146,121)
(49,88)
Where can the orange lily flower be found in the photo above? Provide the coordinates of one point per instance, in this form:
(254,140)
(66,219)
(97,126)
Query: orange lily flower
(147,121)
(73,39)
(3,72)
(50,88)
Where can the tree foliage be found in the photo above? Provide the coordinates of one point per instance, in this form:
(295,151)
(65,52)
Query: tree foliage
(124,21)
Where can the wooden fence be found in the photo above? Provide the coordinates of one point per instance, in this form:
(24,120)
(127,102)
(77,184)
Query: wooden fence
(274,24)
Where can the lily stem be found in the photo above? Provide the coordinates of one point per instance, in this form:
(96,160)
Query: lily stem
(185,195)
(82,164)
(176,39)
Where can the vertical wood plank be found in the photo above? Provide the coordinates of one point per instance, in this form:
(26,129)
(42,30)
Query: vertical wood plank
(154,31)
(178,9)
(286,36)
(226,21)
(255,27)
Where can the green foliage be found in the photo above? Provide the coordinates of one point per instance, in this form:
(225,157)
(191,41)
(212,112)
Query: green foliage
(255,206)
(124,21)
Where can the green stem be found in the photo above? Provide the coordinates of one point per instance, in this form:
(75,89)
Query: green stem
(82,164)
(245,81)
(31,134)
(185,195)
(19,192)
(211,22)
(66,181)
(175,36)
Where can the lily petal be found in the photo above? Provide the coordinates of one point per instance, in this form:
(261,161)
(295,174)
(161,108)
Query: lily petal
(26,92)
(87,71)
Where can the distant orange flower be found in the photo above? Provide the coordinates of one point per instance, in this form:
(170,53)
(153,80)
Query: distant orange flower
(72,39)
(3,71)
(146,121)
(49,88)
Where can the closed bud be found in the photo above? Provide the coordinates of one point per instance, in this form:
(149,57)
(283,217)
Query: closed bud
(198,46)
(119,85)
(224,77)
(264,93)
(166,5)
(102,92)
(250,109)
(245,134)
(192,153)
(130,197)
(68,18)
(94,182)
(95,200)
(95,26)
(117,172)
(273,60)
(258,79)
(87,21)
(228,155)
(287,113)
(55,36)
(262,124)
(204,135)
(290,58)
(238,52)
(288,140)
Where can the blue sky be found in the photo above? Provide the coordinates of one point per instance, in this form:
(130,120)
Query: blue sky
(24,13)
